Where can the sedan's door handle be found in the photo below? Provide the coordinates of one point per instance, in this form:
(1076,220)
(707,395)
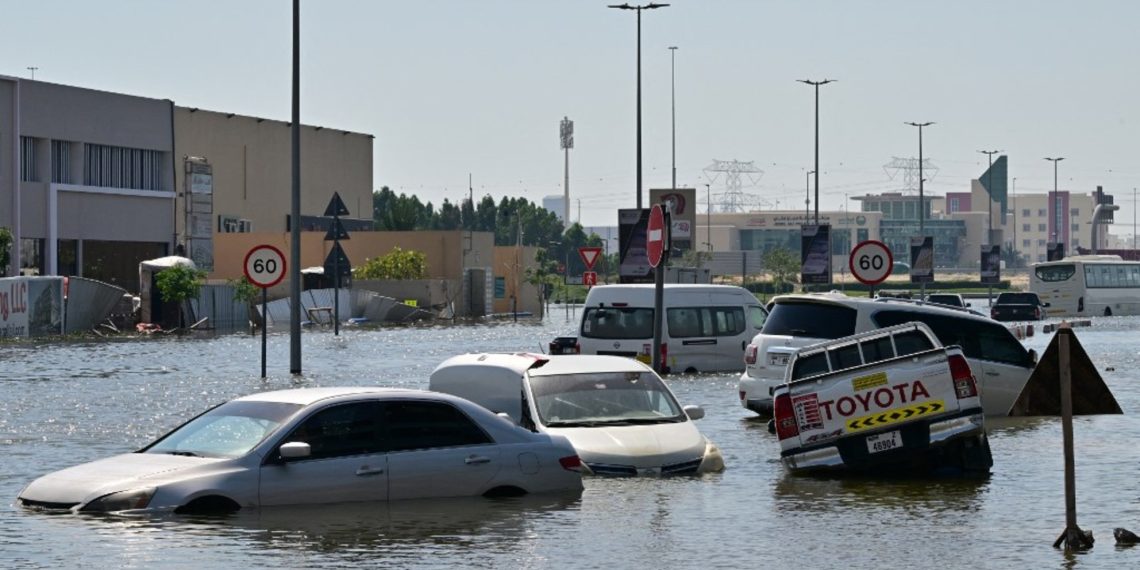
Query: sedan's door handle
(476,460)
(365,471)
(988,373)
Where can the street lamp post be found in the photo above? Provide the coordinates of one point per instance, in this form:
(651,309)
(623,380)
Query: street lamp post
(921,197)
(989,195)
(1056,210)
(816,84)
(638,9)
(673,95)
(807,194)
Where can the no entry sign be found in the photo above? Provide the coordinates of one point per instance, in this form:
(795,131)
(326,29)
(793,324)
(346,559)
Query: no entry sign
(655,235)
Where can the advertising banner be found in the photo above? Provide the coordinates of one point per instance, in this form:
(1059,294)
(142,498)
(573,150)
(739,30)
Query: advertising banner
(922,259)
(683,205)
(991,264)
(815,254)
(633,264)
(31,306)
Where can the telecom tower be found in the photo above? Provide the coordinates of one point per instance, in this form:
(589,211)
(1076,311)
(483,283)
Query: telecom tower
(909,169)
(733,199)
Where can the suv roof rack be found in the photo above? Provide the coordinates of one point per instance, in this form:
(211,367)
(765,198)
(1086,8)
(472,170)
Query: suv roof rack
(925,303)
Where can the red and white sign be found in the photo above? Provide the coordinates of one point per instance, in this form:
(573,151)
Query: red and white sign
(264,266)
(589,278)
(655,235)
(589,255)
(871,262)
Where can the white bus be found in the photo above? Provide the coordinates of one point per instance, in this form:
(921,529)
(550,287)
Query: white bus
(1088,285)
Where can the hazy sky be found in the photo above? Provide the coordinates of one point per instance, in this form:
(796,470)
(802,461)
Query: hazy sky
(456,87)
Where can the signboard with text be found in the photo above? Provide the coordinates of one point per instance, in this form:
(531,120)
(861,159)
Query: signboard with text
(31,306)
(815,254)
(633,263)
(682,204)
(990,267)
(922,259)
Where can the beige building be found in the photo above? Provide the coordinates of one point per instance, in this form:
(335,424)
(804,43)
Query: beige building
(764,230)
(234,175)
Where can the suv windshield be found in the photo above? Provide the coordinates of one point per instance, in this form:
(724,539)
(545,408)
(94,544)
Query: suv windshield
(810,319)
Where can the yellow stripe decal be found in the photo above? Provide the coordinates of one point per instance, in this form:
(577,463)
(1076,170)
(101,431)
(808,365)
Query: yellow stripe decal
(895,416)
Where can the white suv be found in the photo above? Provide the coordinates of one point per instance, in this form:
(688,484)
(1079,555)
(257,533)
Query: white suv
(1003,365)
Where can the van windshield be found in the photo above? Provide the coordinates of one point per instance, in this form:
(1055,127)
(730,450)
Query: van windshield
(603,398)
(812,320)
(617,322)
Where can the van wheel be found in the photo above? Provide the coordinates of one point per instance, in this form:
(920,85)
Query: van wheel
(691,370)
(1108,311)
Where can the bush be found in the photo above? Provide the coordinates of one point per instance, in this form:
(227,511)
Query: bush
(397,264)
(179,283)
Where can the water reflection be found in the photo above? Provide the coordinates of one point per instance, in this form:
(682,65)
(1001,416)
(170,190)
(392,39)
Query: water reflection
(931,496)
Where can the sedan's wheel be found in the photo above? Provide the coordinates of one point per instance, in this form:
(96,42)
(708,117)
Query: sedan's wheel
(211,505)
(1108,311)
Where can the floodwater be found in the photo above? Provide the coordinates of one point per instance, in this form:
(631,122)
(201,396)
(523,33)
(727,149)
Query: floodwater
(67,403)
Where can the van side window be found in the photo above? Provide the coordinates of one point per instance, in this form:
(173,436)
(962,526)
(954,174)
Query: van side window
(684,322)
(811,365)
(757,315)
(617,322)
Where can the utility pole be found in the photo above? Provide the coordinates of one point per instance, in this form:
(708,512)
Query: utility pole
(295,215)
(816,84)
(921,197)
(1055,208)
(673,95)
(807,195)
(708,216)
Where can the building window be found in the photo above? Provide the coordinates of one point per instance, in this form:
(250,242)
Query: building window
(67,257)
(1040,257)
(61,162)
(28,160)
(120,167)
(1076,243)
(31,256)
(1026,242)
(1025,227)
(954,205)
(1041,213)
(1041,227)
(500,287)
(1075,212)
(1025,212)
(1076,227)
(1040,243)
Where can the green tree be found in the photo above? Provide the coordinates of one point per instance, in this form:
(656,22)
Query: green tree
(396,264)
(5,245)
(178,284)
(543,276)
(783,265)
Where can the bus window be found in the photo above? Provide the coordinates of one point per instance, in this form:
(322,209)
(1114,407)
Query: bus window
(1053,273)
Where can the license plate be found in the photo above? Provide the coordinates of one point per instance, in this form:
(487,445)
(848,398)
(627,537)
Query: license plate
(778,358)
(884,441)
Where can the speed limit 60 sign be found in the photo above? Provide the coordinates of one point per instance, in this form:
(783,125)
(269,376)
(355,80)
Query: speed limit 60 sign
(871,262)
(264,266)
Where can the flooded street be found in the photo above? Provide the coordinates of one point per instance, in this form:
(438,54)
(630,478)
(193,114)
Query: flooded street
(67,403)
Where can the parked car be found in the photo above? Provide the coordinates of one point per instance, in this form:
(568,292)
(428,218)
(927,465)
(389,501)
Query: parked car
(1002,363)
(618,413)
(318,445)
(1018,307)
(948,299)
(706,327)
(893,399)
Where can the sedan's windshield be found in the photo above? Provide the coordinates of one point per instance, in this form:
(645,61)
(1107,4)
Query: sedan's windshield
(606,398)
(229,430)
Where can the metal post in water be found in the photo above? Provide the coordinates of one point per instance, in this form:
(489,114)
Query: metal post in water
(264,325)
(1073,538)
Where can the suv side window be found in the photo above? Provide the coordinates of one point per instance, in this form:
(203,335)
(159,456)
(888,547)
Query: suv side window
(423,425)
(978,339)
(812,320)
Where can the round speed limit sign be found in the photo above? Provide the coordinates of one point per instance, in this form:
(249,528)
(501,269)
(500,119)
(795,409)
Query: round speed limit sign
(871,262)
(264,266)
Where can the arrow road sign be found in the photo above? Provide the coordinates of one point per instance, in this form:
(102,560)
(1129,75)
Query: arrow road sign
(336,231)
(336,206)
(589,255)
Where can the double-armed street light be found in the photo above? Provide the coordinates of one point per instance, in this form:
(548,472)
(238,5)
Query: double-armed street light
(816,84)
(638,9)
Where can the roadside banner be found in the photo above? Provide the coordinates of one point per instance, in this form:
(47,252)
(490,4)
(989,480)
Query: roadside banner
(922,259)
(991,264)
(815,254)
(31,306)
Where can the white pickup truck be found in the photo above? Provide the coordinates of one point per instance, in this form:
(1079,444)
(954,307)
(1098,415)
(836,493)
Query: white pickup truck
(888,400)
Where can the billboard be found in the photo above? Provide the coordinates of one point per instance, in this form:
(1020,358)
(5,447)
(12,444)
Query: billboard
(633,264)
(683,204)
(815,254)
(922,259)
(31,306)
(991,264)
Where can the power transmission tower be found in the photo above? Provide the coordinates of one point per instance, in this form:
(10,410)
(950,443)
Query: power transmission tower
(734,173)
(909,169)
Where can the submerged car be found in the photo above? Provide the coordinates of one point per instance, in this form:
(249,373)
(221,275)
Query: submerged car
(318,445)
(617,412)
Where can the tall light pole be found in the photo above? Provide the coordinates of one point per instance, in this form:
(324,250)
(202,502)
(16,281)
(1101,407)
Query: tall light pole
(566,132)
(638,9)
(1013,246)
(295,204)
(921,199)
(989,195)
(708,216)
(807,194)
(673,95)
(33,70)
(1056,210)
(816,84)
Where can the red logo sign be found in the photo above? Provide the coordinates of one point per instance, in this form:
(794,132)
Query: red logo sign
(589,278)
(589,255)
(655,235)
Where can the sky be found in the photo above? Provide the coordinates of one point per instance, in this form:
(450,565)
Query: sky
(453,89)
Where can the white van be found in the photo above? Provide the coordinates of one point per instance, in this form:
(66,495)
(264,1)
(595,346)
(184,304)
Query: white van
(706,327)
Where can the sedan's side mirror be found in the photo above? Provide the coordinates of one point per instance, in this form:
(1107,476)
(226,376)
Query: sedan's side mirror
(295,450)
(694,412)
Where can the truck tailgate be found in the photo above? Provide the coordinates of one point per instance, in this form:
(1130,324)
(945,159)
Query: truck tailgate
(873,398)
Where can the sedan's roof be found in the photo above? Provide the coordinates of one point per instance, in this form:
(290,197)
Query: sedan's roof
(546,365)
(307,396)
